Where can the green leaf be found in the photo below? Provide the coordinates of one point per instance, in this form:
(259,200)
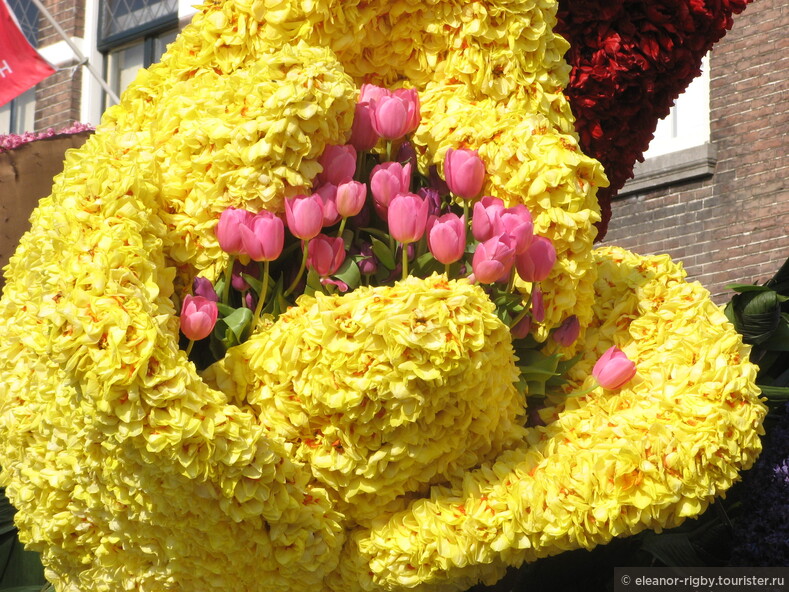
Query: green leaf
(313,283)
(756,315)
(780,281)
(254,283)
(383,253)
(224,309)
(779,339)
(779,393)
(238,321)
(748,288)
(349,273)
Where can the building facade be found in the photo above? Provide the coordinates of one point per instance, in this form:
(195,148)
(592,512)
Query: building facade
(712,191)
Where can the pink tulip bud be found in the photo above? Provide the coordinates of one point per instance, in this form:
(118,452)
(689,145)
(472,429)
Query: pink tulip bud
(328,193)
(228,231)
(304,215)
(237,280)
(339,164)
(363,134)
(464,172)
(536,262)
(368,264)
(447,238)
(613,369)
(568,331)
(396,115)
(522,328)
(198,317)
(350,198)
(518,224)
(407,217)
(537,304)
(493,259)
(325,254)
(433,198)
(486,218)
(263,236)
(387,180)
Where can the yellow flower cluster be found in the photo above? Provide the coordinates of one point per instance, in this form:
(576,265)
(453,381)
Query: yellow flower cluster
(607,463)
(367,441)
(385,391)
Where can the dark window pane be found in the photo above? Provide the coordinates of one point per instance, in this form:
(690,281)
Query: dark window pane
(127,15)
(27,14)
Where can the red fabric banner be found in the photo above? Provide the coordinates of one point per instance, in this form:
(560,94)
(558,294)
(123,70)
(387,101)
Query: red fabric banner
(21,67)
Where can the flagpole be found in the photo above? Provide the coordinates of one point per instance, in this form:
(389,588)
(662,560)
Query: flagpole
(83,60)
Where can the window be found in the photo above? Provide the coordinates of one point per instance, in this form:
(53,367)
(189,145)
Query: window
(18,116)
(134,34)
(681,150)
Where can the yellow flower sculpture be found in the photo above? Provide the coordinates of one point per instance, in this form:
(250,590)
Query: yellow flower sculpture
(372,441)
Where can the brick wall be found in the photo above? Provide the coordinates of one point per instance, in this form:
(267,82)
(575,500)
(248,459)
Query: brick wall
(58,97)
(734,225)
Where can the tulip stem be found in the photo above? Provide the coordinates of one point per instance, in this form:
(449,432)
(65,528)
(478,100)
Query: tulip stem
(189,347)
(262,295)
(522,313)
(301,270)
(228,279)
(405,259)
(511,284)
(342,226)
(446,269)
(465,213)
(389,145)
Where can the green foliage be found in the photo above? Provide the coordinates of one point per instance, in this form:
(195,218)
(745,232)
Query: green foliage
(20,570)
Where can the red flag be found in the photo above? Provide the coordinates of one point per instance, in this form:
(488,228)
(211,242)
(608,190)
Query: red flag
(21,67)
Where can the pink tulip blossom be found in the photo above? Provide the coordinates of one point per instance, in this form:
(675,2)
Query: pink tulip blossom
(387,180)
(363,134)
(339,164)
(228,230)
(447,238)
(198,317)
(613,369)
(493,259)
(325,254)
(407,217)
(517,222)
(396,115)
(350,198)
(537,304)
(486,218)
(328,193)
(263,237)
(304,215)
(464,172)
(521,328)
(536,262)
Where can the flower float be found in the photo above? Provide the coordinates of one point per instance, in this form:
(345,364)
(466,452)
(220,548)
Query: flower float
(368,439)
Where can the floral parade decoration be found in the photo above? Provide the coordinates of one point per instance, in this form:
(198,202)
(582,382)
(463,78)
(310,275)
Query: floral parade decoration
(377,223)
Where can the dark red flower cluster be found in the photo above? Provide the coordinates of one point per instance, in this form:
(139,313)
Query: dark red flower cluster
(630,60)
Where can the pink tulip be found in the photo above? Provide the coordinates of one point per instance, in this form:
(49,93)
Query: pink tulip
(350,198)
(304,215)
(263,236)
(396,115)
(228,231)
(328,193)
(493,259)
(613,369)
(339,164)
(568,331)
(537,304)
(486,218)
(464,172)
(237,281)
(363,134)
(447,238)
(371,92)
(325,254)
(407,217)
(387,180)
(536,262)
(517,222)
(198,317)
